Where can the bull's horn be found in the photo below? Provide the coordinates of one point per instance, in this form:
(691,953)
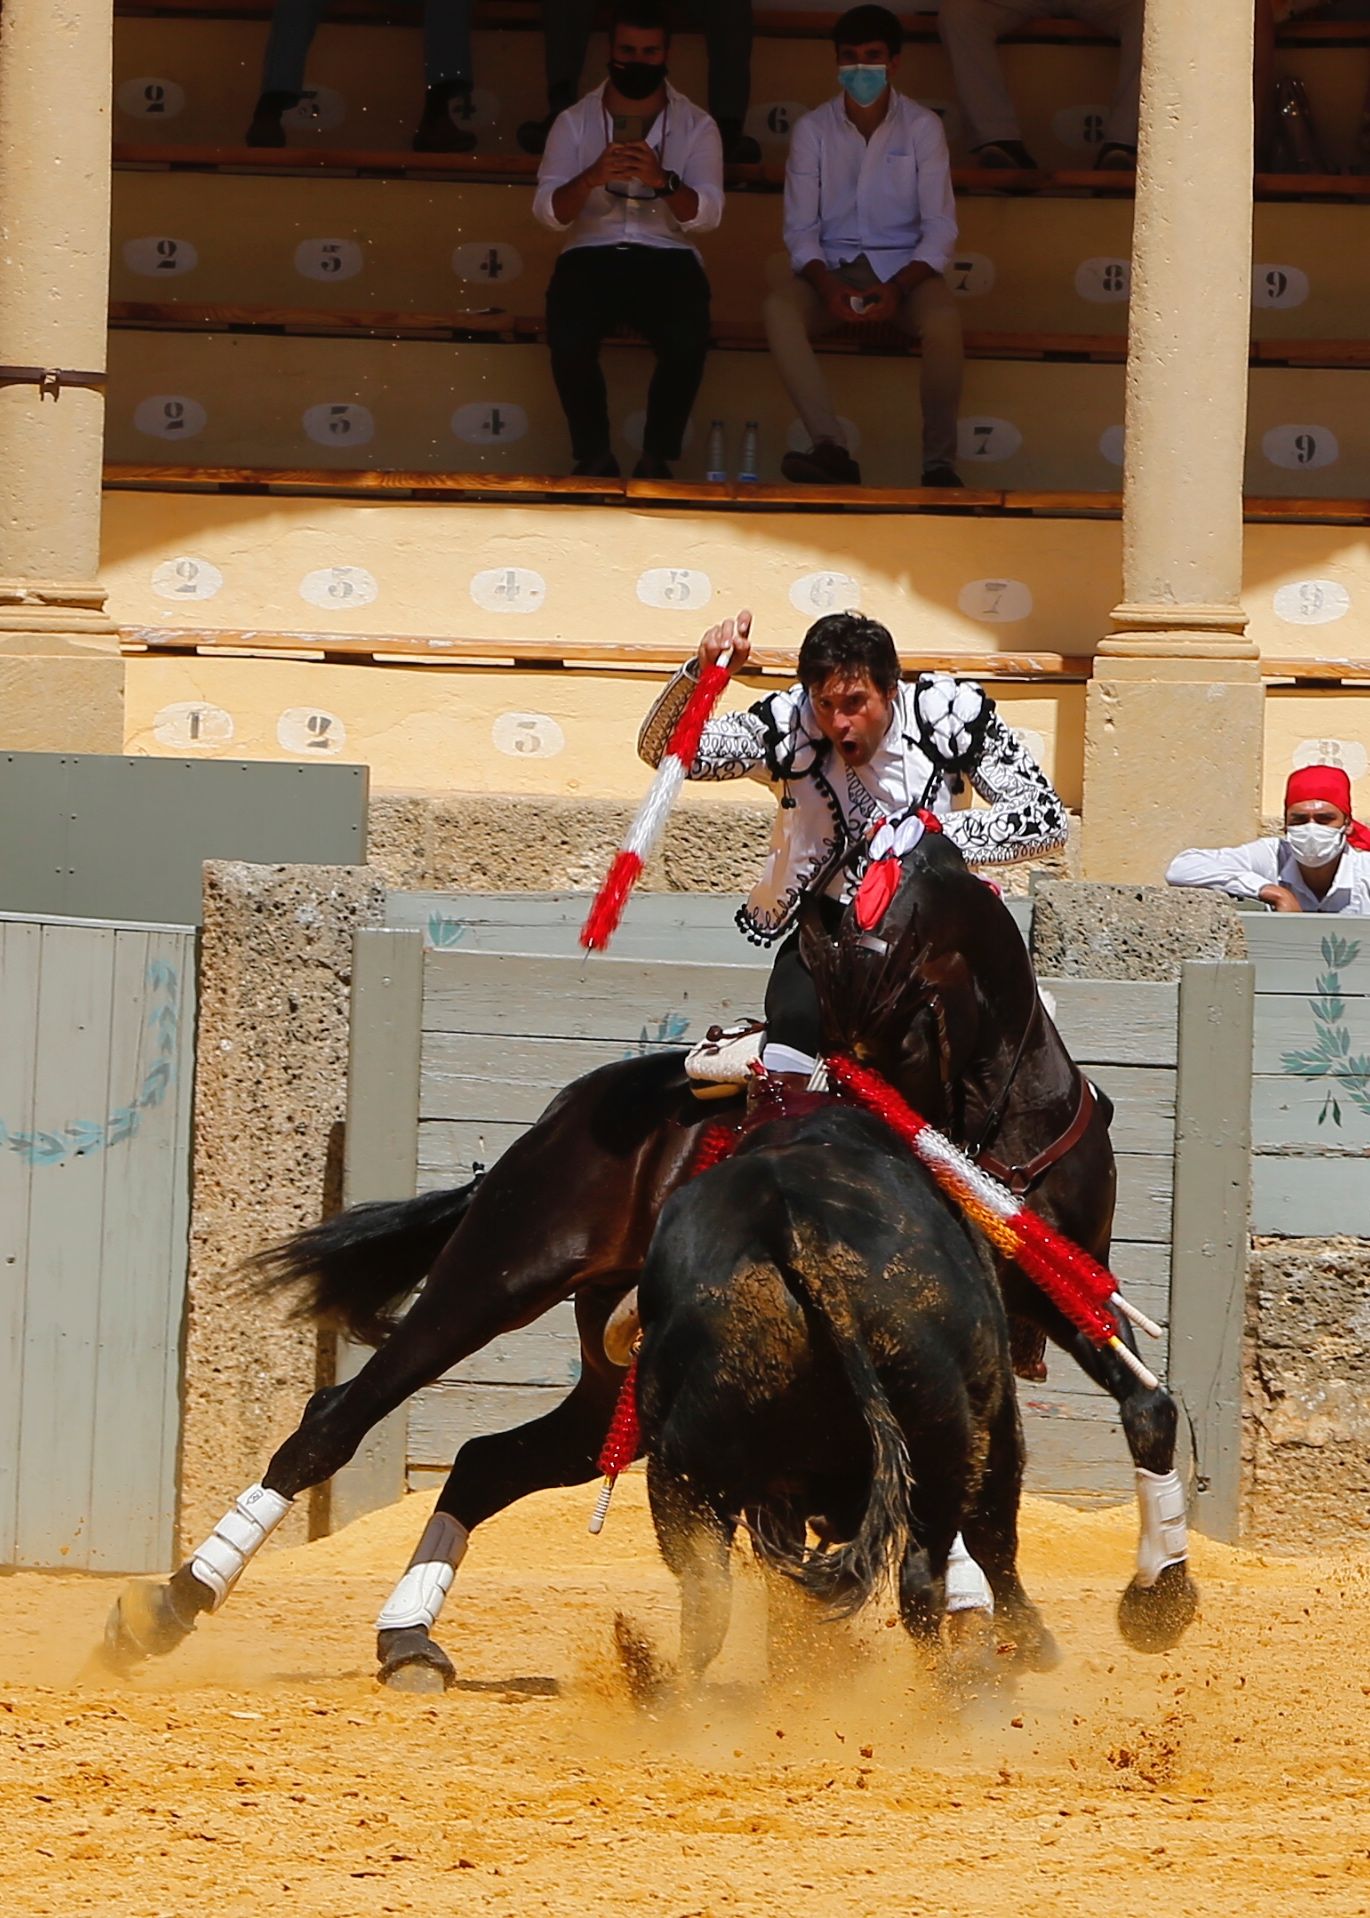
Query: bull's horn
(620,1334)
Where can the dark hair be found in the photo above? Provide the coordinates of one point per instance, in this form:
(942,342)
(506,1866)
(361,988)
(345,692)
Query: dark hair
(848,644)
(859,24)
(639,13)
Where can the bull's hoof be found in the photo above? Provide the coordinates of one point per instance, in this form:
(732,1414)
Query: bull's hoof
(1036,1650)
(411,1661)
(143,1624)
(1152,1618)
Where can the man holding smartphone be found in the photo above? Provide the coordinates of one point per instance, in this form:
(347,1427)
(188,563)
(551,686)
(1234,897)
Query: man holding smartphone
(870,227)
(630,172)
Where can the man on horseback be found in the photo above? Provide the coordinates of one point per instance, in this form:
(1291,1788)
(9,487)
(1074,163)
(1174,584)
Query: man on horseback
(851,747)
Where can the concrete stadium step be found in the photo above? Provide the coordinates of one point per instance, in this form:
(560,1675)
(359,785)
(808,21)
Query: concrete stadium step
(244,400)
(250,400)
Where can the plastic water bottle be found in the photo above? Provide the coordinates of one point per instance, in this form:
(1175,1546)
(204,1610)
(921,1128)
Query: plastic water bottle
(716,461)
(748,468)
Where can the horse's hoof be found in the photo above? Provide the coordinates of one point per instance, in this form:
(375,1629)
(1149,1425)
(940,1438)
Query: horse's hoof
(144,1623)
(1037,1651)
(1152,1618)
(411,1661)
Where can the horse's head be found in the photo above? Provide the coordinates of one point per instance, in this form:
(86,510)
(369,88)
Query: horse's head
(900,986)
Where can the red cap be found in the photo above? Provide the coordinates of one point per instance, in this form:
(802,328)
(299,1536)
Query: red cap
(1331,785)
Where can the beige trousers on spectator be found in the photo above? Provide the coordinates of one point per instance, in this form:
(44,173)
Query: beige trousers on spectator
(795,316)
(970,28)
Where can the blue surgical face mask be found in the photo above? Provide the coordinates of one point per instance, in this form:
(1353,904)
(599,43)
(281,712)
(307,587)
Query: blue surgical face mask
(864,85)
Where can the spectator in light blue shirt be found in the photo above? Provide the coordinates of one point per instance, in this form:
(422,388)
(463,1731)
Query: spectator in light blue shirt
(870,226)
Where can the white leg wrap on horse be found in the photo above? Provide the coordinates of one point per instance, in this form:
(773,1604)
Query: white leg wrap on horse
(421,1593)
(778,1058)
(967,1587)
(240,1534)
(1164,1536)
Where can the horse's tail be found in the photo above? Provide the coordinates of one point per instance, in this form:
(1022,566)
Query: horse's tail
(355,1269)
(849,1576)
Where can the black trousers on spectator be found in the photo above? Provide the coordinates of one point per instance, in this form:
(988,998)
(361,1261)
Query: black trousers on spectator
(661,292)
(791,996)
(727,27)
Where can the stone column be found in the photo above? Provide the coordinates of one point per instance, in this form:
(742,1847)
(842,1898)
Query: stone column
(1173,735)
(61,678)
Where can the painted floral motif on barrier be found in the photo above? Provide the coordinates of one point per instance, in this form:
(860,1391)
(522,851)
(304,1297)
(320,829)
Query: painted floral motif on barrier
(80,1138)
(1331,1056)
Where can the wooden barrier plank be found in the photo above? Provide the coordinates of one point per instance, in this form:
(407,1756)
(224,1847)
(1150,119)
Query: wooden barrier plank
(1286,949)
(1327,1118)
(1209,1248)
(580,997)
(1145,1183)
(1105,1021)
(21,973)
(1295,1197)
(1288,1030)
(450,1150)
(443,1418)
(698,927)
(379,1163)
(547,1352)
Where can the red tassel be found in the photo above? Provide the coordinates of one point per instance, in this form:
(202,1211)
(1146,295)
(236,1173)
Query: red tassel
(1094,1282)
(602,921)
(624,1440)
(873,1092)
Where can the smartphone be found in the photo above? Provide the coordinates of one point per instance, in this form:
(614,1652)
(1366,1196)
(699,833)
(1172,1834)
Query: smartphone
(629,128)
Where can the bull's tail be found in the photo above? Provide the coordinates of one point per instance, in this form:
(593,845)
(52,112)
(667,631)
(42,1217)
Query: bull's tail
(352,1271)
(849,1576)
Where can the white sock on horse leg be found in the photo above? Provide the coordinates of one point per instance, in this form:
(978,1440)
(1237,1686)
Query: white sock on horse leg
(240,1534)
(967,1587)
(781,1058)
(1164,1538)
(421,1593)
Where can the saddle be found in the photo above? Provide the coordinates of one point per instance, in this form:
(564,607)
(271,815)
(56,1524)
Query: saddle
(725,1059)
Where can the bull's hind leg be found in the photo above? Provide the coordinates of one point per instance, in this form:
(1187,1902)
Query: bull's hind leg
(695,1538)
(991,1535)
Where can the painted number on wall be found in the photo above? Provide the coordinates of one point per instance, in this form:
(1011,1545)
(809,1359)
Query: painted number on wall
(1080,127)
(825,593)
(318,110)
(1279,286)
(490,423)
(527,736)
(509,589)
(1349,754)
(158,256)
(338,423)
(186,578)
(340,586)
(998,602)
(169,416)
(1111,445)
(986,440)
(1301,448)
(188,725)
(971,275)
(674,589)
(310,732)
(1103,282)
(328,260)
(1312,602)
(150,99)
(487,262)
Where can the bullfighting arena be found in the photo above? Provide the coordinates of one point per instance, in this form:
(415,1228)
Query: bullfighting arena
(262,1769)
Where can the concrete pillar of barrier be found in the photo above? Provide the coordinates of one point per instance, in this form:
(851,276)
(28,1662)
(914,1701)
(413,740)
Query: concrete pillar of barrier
(61,677)
(1174,724)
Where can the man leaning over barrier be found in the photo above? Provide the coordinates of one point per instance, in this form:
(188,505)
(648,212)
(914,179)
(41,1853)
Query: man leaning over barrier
(1320,863)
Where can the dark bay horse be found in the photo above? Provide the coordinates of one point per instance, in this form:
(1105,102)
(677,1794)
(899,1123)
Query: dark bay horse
(823,1343)
(568,1211)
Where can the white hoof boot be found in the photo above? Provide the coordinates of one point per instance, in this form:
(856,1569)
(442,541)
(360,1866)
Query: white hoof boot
(967,1587)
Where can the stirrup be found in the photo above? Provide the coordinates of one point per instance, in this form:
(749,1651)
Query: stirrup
(724,1060)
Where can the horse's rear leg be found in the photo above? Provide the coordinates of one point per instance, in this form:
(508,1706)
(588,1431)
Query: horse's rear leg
(489,1474)
(444,1325)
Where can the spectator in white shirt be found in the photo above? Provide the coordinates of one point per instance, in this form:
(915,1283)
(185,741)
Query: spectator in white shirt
(1321,863)
(630,172)
(970,30)
(870,227)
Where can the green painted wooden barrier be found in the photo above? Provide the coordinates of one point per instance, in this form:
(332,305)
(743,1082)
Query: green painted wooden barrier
(97,1038)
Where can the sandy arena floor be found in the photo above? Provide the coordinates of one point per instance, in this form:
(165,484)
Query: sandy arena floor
(262,1770)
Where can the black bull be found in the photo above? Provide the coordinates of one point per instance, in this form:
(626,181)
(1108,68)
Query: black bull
(569,1210)
(824,1343)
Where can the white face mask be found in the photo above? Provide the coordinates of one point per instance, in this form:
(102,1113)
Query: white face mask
(1315,845)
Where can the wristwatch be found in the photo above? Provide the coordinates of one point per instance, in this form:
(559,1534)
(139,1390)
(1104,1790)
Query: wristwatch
(670,185)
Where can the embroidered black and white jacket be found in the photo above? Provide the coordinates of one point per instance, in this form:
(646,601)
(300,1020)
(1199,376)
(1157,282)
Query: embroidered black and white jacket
(824,803)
